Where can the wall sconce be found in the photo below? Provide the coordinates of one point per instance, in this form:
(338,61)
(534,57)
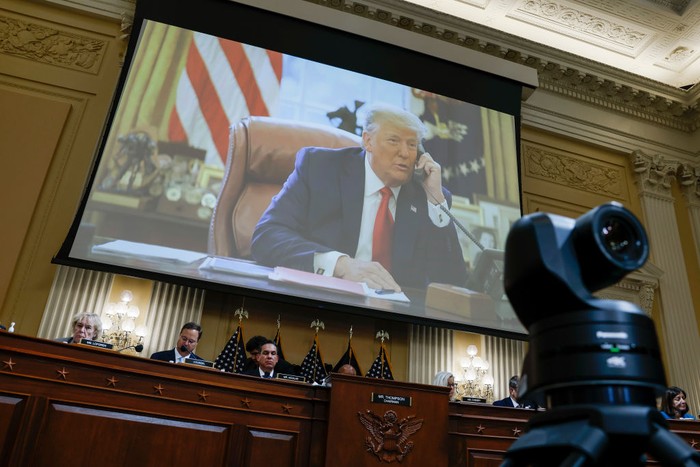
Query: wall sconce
(118,326)
(477,385)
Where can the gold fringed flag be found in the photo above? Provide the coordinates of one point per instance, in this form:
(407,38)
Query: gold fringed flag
(348,358)
(278,341)
(313,368)
(381,368)
(232,358)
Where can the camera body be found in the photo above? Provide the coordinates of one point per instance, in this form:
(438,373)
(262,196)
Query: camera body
(583,349)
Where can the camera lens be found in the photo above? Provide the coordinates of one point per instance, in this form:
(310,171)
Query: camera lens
(609,242)
(621,239)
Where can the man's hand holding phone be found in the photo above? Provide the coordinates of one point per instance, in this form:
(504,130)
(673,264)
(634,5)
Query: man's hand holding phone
(428,173)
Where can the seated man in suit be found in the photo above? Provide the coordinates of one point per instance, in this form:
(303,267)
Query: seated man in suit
(267,361)
(186,343)
(359,213)
(513,399)
(254,347)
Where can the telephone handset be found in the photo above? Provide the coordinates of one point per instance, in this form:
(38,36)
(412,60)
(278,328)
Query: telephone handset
(419,174)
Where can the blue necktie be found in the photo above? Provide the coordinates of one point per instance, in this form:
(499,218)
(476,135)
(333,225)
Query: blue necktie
(267,375)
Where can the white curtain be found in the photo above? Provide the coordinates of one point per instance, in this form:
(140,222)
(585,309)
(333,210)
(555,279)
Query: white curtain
(171,306)
(505,357)
(429,351)
(73,291)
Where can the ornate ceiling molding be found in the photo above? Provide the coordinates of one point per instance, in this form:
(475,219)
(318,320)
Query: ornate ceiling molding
(567,75)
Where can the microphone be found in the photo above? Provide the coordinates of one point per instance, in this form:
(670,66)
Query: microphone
(183,348)
(137,348)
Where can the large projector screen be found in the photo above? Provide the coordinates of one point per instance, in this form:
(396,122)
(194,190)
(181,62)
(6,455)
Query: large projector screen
(215,101)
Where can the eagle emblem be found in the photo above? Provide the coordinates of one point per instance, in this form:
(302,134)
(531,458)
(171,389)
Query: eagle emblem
(388,438)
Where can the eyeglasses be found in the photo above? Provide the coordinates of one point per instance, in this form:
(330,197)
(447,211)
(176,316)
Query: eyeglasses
(188,341)
(87,327)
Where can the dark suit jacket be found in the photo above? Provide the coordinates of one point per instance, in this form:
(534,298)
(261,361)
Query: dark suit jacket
(169,355)
(319,209)
(283,366)
(256,372)
(506,402)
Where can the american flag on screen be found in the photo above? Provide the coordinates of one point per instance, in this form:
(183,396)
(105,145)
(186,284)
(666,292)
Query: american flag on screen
(232,358)
(222,82)
(381,368)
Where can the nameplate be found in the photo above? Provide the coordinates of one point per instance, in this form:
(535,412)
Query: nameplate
(393,400)
(99,344)
(289,377)
(473,399)
(194,361)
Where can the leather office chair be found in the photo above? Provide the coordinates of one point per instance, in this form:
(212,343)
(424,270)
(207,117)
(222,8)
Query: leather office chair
(261,155)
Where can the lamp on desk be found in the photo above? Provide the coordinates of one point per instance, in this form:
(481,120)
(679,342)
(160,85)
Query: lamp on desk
(119,328)
(477,385)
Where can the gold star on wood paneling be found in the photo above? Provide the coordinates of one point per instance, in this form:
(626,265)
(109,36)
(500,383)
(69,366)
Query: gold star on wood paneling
(480,428)
(203,396)
(158,389)
(9,364)
(286,408)
(517,431)
(112,381)
(693,443)
(246,402)
(62,373)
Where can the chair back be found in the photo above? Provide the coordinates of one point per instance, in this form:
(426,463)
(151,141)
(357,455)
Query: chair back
(261,155)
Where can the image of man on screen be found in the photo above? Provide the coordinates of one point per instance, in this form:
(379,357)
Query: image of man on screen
(368,214)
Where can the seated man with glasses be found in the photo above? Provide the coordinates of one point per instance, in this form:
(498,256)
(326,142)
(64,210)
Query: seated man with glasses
(85,326)
(186,343)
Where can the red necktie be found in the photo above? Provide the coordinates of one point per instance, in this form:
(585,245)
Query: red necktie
(383,230)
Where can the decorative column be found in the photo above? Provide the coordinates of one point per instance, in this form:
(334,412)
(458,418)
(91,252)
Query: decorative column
(679,327)
(690,185)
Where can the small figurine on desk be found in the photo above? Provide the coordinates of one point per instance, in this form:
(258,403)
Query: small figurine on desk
(12,327)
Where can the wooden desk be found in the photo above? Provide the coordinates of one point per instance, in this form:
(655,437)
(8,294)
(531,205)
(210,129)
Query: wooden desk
(64,404)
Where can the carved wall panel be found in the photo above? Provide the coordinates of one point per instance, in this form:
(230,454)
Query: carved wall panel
(35,41)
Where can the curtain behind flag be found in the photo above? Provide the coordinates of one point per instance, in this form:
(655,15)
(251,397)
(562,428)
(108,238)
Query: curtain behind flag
(381,368)
(222,82)
(348,358)
(232,358)
(313,368)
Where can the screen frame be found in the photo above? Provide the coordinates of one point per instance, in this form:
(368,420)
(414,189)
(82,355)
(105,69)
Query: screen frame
(291,35)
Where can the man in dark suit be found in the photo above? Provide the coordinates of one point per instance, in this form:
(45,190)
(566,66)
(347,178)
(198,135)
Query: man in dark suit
(324,219)
(267,361)
(186,343)
(513,400)
(254,347)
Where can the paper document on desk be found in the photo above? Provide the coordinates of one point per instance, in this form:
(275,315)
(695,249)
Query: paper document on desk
(146,251)
(336,284)
(235,266)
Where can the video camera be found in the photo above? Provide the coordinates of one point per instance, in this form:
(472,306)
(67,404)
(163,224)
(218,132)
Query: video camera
(595,364)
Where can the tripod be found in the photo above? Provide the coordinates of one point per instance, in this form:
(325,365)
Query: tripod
(598,434)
